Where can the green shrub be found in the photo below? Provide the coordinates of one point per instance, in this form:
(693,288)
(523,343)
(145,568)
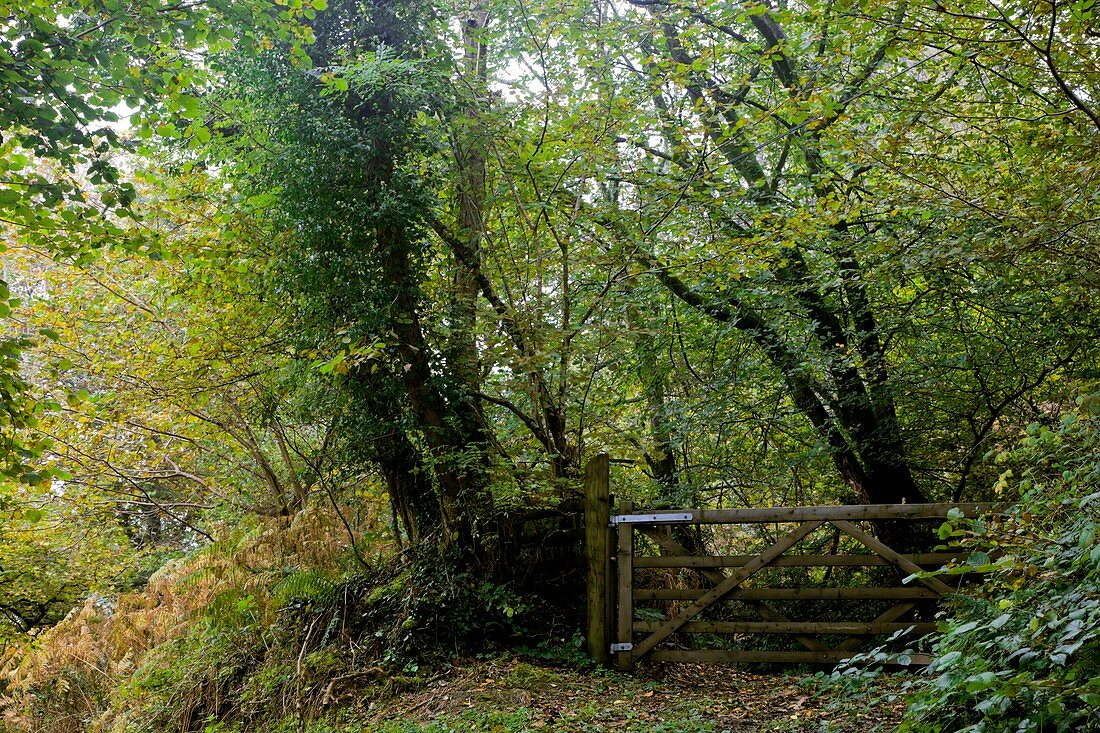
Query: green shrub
(427,608)
(1024,654)
(192,679)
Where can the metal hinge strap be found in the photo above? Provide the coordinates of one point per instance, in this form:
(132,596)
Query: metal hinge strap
(618,519)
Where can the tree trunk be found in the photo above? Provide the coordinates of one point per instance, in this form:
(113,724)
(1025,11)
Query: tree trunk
(471,153)
(454,432)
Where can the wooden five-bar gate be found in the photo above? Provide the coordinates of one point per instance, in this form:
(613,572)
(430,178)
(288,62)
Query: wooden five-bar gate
(733,601)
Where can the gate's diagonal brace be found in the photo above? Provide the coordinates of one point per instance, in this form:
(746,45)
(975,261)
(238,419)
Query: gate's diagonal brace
(899,561)
(744,573)
(895,558)
(717,576)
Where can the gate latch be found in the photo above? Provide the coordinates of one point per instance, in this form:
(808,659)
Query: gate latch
(618,519)
(625,646)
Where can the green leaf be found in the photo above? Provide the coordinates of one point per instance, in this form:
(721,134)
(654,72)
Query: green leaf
(978,559)
(948,659)
(9,197)
(982,681)
(965,628)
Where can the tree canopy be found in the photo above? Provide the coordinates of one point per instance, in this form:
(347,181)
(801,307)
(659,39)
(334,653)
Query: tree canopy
(848,245)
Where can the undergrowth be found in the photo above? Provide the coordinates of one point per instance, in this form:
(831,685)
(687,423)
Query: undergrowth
(1023,653)
(267,624)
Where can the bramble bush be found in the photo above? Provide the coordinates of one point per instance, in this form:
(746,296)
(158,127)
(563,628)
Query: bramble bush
(1023,654)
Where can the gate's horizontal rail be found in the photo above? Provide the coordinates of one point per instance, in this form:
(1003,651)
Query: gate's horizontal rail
(854,512)
(848,628)
(736,561)
(709,656)
(790,594)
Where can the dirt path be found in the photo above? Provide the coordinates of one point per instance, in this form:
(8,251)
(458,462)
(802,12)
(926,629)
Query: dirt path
(507,695)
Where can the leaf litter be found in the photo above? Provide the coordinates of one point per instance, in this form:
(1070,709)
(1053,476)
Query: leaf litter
(515,695)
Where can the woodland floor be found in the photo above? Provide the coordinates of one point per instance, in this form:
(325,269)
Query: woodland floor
(510,695)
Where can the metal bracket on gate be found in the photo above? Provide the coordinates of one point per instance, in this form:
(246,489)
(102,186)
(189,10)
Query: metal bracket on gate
(625,646)
(618,519)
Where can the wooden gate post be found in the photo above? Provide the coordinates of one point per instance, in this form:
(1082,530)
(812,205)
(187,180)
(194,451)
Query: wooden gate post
(624,558)
(597,549)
